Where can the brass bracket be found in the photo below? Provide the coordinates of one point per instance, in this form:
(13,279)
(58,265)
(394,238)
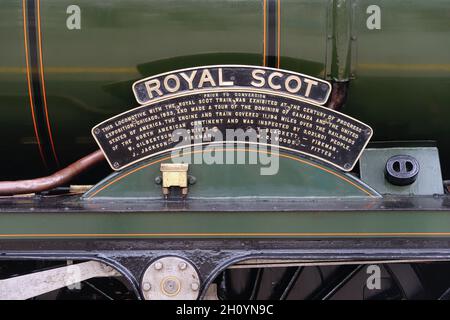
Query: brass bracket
(174,175)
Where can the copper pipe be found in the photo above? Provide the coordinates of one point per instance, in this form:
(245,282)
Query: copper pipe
(57,179)
(338,95)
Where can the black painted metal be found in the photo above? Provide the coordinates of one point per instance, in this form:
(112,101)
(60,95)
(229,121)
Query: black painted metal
(210,261)
(272,33)
(71,204)
(38,105)
(342,276)
(287,287)
(406,279)
(402,170)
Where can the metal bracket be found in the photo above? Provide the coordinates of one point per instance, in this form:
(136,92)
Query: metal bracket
(35,284)
(174,175)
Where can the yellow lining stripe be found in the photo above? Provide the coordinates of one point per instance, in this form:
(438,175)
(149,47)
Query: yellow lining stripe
(63,70)
(237,149)
(41,71)
(28,73)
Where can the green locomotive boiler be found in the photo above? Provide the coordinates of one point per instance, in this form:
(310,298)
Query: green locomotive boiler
(221,149)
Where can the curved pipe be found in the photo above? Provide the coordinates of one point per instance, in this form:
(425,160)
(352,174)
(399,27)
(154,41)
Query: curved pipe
(8,188)
(338,95)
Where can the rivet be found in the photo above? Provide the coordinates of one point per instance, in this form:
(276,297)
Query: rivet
(158,265)
(146,286)
(194,286)
(182,266)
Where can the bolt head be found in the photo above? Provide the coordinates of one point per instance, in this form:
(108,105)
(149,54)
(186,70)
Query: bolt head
(194,286)
(146,286)
(158,265)
(182,266)
(192,179)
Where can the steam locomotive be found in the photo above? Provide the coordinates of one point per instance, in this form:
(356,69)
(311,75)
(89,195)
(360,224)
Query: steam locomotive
(336,215)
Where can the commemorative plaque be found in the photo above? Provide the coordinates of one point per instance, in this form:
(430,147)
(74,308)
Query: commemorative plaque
(286,105)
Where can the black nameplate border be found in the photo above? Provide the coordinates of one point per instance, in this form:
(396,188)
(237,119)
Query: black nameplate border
(224,77)
(302,127)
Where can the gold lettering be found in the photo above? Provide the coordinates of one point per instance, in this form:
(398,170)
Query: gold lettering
(310,83)
(174,78)
(270,80)
(261,80)
(224,83)
(189,79)
(288,85)
(153,85)
(206,77)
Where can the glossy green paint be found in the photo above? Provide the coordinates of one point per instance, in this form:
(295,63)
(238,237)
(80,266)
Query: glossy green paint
(223,225)
(303,36)
(399,73)
(428,183)
(17,136)
(92,69)
(271,176)
(402,73)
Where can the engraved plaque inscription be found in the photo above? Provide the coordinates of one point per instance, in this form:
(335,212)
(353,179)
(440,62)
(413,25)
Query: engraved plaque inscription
(300,126)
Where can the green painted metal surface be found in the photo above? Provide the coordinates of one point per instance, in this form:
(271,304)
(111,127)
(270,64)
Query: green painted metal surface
(17,138)
(303,34)
(402,73)
(399,73)
(223,225)
(429,181)
(122,41)
(293,177)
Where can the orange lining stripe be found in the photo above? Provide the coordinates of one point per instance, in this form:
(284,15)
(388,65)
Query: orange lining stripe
(264,33)
(128,173)
(238,234)
(41,69)
(328,171)
(237,149)
(25,36)
(279,32)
